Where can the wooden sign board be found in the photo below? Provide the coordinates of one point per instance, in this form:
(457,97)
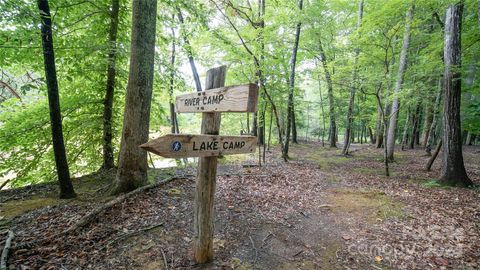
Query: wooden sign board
(184,145)
(240,98)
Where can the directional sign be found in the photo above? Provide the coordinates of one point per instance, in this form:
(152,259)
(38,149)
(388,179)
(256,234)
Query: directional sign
(176,145)
(240,98)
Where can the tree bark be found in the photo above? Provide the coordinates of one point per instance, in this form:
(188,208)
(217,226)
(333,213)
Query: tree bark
(270,129)
(428,167)
(293,62)
(333,126)
(398,85)
(436,111)
(415,122)
(132,167)
(294,126)
(453,170)
(405,129)
(321,107)
(370,133)
(353,88)
(206,179)
(379,128)
(63,173)
(427,123)
(261,77)
(173,115)
(108,159)
(254,124)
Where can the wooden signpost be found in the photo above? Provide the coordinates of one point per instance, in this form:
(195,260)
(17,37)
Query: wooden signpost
(180,145)
(209,145)
(239,98)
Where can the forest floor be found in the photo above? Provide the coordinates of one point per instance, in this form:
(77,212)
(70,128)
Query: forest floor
(320,210)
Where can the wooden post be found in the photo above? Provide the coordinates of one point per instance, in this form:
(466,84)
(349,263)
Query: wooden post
(206,178)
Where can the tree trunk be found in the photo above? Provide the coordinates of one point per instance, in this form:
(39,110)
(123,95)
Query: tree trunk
(206,179)
(261,77)
(468,140)
(428,167)
(294,126)
(453,170)
(108,159)
(415,122)
(173,115)
(132,167)
(333,126)
(405,129)
(63,173)
(436,111)
(254,125)
(323,111)
(188,49)
(398,85)
(308,122)
(353,88)
(379,128)
(427,123)
(370,133)
(270,129)
(293,62)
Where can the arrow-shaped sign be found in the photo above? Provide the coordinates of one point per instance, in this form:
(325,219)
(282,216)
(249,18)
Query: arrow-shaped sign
(184,145)
(239,98)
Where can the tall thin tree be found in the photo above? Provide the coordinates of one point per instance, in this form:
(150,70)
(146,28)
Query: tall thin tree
(436,111)
(132,167)
(453,169)
(331,103)
(108,160)
(353,88)
(398,84)
(63,173)
(188,49)
(293,62)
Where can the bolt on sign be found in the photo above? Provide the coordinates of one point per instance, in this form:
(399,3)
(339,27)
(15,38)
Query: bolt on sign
(207,146)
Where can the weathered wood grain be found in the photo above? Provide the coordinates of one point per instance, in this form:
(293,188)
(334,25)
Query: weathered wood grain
(203,219)
(188,145)
(239,98)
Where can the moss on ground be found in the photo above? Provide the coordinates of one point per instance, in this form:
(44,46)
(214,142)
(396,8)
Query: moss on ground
(374,206)
(326,158)
(12,209)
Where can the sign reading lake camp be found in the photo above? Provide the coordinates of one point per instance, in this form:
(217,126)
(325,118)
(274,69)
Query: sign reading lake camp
(239,98)
(184,145)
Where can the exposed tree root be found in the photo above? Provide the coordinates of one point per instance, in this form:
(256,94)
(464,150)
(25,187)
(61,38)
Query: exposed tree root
(6,250)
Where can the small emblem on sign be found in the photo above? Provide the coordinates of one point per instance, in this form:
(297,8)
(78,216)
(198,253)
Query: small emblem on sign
(176,146)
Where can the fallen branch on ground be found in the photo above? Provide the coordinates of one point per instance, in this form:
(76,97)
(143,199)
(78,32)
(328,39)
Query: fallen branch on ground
(6,250)
(128,234)
(88,218)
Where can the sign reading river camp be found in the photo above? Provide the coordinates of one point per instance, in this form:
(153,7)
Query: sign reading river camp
(184,145)
(240,98)
(207,146)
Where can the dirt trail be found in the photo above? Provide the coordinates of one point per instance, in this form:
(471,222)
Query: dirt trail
(318,211)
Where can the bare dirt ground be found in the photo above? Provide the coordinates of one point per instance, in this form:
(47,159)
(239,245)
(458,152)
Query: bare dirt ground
(318,211)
